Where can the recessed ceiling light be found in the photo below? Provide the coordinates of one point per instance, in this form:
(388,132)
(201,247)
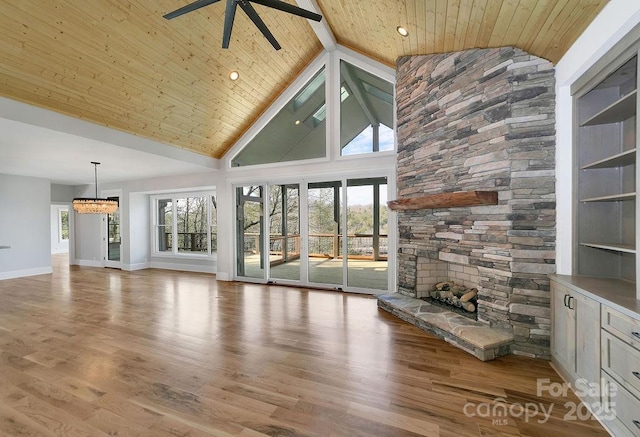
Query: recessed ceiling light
(234,75)
(402,31)
(297,122)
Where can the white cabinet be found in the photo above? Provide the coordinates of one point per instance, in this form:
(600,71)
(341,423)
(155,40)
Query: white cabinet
(587,339)
(575,329)
(621,367)
(563,329)
(597,341)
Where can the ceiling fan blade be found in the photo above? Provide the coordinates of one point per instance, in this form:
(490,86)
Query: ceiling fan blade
(229,15)
(286,7)
(188,8)
(251,13)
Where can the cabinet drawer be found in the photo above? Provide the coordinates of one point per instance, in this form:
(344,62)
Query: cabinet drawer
(622,326)
(625,406)
(622,362)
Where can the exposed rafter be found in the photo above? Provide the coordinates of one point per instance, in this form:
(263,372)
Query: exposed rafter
(359,93)
(321,29)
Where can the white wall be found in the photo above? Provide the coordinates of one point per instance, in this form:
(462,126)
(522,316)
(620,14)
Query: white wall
(87,238)
(58,246)
(139,235)
(614,22)
(62,193)
(25,225)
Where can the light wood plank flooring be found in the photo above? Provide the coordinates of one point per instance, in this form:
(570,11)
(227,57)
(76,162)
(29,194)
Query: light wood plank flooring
(100,352)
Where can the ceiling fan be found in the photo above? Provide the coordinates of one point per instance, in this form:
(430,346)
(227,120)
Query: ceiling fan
(246,6)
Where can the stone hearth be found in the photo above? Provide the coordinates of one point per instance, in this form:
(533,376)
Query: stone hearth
(476,338)
(479,120)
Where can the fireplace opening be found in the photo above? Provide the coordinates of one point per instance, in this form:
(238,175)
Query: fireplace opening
(454,297)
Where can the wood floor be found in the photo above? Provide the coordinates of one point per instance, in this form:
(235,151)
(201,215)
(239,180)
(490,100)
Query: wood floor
(100,352)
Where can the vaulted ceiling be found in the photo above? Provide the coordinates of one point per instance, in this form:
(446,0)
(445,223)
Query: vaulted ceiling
(118,63)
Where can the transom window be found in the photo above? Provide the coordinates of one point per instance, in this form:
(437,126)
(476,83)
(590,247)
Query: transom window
(185,223)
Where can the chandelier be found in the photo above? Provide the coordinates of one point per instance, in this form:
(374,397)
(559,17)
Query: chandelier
(95,205)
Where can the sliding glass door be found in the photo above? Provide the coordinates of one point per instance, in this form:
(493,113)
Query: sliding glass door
(367,266)
(311,227)
(324,200)
(284,232)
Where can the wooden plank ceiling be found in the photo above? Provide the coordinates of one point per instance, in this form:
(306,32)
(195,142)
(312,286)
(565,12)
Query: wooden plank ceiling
(120,64)
(545,28)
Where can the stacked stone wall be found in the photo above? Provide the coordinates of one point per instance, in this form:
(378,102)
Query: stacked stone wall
(482,120)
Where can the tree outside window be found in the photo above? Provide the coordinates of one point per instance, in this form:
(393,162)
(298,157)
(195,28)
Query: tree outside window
(186,224)
(63,220)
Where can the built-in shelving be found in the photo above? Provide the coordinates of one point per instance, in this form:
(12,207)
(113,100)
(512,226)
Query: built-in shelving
(626,248)
(606,168)
(617,160)
(611,198)
(620,110)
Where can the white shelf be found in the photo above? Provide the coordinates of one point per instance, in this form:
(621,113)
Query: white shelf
(626,248)
(620,110)
(618,160)
(611,198)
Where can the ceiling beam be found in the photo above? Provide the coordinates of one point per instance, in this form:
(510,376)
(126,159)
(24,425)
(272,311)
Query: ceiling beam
(321,29)
(359,93)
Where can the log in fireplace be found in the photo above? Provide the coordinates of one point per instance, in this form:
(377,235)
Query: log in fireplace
(455,297)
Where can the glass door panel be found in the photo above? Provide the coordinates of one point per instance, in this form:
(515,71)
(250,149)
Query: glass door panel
(284,232)
(250,232)
(367,234)
(113,236)
(325,240)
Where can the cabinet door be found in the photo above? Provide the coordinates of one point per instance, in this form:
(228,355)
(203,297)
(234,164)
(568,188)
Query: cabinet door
(563,329)
(587,315)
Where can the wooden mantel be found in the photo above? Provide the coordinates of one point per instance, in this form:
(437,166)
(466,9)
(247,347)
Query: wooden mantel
(445,200)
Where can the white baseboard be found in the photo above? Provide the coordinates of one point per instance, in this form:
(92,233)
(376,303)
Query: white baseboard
(26,272)
(137,266)
(182,267)
(155,265)
(88,263)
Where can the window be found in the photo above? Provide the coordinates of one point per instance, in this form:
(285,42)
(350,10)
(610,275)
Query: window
(164,225)
(366,112)
(297,132)
(357,119)
(63,224)
(185,224)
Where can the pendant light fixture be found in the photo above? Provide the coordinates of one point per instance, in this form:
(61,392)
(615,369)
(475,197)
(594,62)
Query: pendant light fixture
(88,205)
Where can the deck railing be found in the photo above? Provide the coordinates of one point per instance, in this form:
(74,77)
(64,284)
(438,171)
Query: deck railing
(189,242)
(284,248)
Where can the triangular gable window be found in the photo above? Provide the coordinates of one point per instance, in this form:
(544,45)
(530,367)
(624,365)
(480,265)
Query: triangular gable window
(297,132)
(366,114)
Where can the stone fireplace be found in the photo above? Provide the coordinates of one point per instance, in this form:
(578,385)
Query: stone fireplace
(480,120)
